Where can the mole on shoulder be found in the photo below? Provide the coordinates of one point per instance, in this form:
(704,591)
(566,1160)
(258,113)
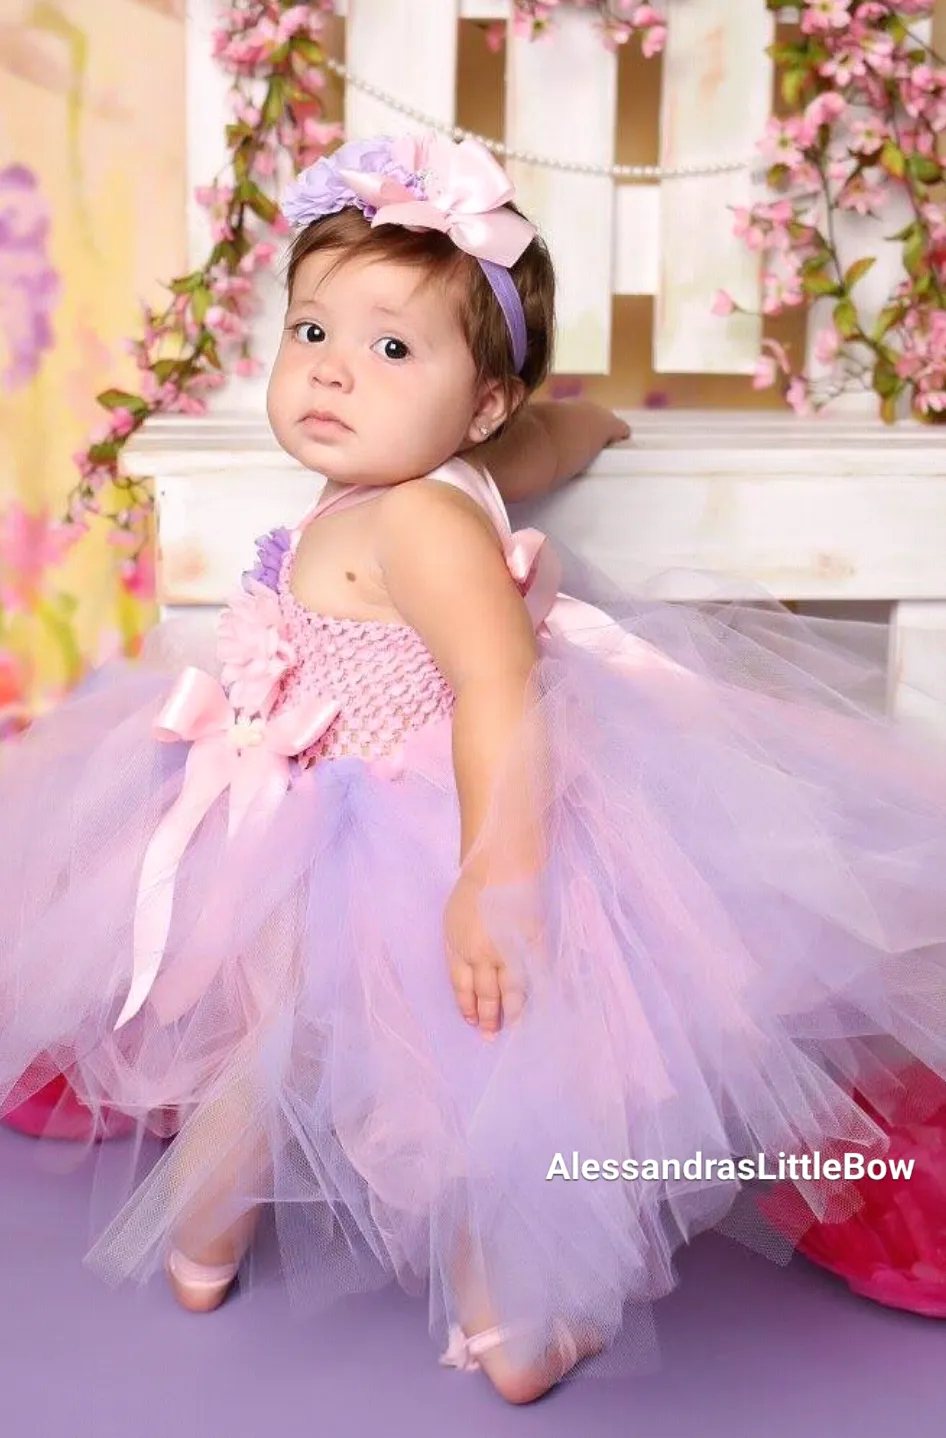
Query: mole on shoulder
(348,574)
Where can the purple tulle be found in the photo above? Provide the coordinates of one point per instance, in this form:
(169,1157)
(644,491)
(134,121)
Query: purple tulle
(270,551)
(740,914)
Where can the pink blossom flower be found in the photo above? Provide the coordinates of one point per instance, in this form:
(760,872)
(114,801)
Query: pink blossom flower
(783,141)
(820,15)
(827,344)
(797,397)
(824,110)
(723,304)
(654,42)
(123,421)
(867,136)
(138,576)
(861,197)
(781,290)
(247,366)
(253,648)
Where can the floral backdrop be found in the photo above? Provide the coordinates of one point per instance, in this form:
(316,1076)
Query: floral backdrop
(103,325)
(91,218)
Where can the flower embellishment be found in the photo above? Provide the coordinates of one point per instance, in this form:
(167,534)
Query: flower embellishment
(253,648)
(271,550)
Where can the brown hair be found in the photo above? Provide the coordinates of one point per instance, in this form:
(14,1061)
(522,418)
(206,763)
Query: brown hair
(478,310)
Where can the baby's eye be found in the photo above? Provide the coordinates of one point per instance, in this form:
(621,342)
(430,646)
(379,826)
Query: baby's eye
(308,333)
(393,349)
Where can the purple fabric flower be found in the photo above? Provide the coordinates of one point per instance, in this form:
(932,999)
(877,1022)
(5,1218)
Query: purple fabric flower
(271,550)
(28,283)
(320,190)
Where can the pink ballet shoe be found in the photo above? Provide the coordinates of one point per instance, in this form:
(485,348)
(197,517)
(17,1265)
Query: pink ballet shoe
(462,1352)
(199,1287)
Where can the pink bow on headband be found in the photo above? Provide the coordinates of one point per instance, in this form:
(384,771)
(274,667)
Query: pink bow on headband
(465,191)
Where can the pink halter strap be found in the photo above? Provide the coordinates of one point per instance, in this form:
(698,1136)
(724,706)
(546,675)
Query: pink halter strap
(480,487)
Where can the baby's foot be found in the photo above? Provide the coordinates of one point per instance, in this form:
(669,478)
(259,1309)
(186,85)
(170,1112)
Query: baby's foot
(199,1287)
(485,1348)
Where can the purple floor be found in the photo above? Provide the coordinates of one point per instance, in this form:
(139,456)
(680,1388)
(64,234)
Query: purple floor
(750,1351)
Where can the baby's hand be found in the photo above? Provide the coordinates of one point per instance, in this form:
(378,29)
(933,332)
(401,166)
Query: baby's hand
(487,992)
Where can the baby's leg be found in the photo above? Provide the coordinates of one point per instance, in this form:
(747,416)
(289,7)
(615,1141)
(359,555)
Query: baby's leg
(216,1207)
(489,1345)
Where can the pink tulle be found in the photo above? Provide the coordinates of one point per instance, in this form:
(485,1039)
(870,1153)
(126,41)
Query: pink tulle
(733,942)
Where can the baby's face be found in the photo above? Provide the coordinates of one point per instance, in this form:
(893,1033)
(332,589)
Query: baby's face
(373,382)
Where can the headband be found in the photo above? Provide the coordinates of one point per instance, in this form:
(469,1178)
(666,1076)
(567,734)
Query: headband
(426,182)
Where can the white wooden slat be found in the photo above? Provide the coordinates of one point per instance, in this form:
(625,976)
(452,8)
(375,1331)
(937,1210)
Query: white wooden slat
(408,48)
(637,239)
(717,92)
(561,101)
(918,662)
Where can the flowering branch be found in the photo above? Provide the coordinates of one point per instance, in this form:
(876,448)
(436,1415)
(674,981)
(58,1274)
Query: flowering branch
(272,50)
(867,112)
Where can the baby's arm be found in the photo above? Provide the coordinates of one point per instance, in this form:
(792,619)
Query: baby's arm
(547,443)
(446,574)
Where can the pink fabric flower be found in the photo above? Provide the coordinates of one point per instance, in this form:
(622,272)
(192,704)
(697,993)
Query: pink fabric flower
(253,648)
(893,1248)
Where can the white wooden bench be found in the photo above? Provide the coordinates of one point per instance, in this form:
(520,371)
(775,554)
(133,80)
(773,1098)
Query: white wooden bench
(823,512)
(835,510)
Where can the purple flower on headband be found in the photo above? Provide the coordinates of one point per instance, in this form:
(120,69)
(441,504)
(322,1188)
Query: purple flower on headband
(271,550)
(320,190)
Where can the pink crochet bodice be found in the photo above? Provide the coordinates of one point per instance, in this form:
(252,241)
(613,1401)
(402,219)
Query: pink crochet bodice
(382,674)
(314,686)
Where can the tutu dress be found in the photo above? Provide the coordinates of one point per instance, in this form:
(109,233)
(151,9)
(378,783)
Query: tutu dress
(223,917)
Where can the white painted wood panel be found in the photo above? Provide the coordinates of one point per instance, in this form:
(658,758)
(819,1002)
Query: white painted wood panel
(716,98)
(637,239)
(918,662)
(407,48)
(561,101)
(818,511)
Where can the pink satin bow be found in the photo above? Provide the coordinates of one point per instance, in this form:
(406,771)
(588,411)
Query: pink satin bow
(250,757)
(537,570)
(465,191)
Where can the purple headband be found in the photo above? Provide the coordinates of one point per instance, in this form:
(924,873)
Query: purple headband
(426,182)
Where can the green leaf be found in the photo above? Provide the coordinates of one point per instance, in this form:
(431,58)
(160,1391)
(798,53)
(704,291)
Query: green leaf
(311,52)
(888,409)
(845,319)
(104,453)
(777,176)
(259,203)
(165,368)
(914,252)
(858,270)
(886,381)
(200,304)
(821,283)
(893,160)
(186,283)
(121,399)
(886,320)
(793,84)
(273,104)
(925,169)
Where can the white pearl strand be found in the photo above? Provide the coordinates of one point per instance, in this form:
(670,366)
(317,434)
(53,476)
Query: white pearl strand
(548,162)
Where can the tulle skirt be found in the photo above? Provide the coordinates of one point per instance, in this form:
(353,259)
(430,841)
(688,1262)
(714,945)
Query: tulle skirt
(739,915)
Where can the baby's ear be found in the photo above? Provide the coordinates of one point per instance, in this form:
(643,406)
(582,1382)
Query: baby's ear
(496,406)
